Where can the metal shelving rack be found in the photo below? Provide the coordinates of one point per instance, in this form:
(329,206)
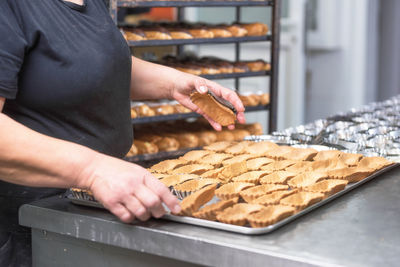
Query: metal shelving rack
(273,37)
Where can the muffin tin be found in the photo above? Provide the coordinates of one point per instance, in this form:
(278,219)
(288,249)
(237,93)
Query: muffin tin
(372,130)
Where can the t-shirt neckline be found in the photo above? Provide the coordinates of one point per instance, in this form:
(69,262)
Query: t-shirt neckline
(75,6)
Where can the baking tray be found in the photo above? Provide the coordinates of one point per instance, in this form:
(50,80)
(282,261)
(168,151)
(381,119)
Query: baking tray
(245,229)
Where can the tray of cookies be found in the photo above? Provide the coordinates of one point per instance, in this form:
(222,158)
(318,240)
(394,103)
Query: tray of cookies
(256,187)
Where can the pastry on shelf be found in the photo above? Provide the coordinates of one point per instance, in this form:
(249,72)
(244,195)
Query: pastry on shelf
(225,135)
(167,144)
(236,30)
(179,108)
(270,215)
(210,211)
(185,139)
(144,110)
(255,29)
(240,67)
(250,100)
(192,203)
(145,147)
(240,134)
(200,31)
(178,32)
(238,213)
(327,187)
(258,65)
(231,190)
(206,137)
(252,193)
(156,33)
(215,110)
(133,113)
(302,200)
(133,151)
(220,31)
(163,109)
(134,34)
(264,99)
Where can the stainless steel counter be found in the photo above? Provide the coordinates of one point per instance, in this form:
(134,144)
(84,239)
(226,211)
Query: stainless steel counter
(361,228)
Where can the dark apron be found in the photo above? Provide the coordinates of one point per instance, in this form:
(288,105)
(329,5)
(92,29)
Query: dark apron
(15,240)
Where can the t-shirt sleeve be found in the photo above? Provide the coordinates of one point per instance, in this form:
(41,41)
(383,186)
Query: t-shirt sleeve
(12,50)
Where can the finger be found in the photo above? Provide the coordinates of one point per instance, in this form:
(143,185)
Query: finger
(241,118)
(122,213)
(165,195)
(150,200)
(231,127)
(201,86)
(136,208)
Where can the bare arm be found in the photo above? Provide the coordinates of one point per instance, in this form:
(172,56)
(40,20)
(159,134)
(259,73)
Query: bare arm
(153,81)
(33,159)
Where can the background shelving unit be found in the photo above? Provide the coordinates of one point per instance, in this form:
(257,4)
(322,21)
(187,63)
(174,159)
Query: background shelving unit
(272,37)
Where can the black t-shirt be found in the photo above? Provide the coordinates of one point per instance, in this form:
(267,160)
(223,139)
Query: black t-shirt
(65,72)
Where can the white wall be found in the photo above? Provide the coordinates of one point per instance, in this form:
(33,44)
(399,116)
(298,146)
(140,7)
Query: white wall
(344,77)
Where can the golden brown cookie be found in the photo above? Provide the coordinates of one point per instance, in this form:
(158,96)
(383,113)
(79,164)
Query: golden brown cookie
(192,203)
(351,174)
(215,110)
(250,194)
(195,155)
(250,177)
(375,163)
(231,190)
(167,166)
(209,212)
(327,187)
(273,198)
(238,213)
(219,146)
(174,179)
(307,179)
(193,168)
(257,163)
(350,159)
(302,200)
(327,154)
(279,177)
(270,215)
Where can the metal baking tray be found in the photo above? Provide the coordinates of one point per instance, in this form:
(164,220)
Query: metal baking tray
(247,230)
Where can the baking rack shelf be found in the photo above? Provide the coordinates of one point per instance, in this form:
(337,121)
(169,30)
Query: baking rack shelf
(200,41)
(174,117)
(236,75)
(196,3)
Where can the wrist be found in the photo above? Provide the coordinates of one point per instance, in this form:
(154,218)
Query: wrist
(85,168)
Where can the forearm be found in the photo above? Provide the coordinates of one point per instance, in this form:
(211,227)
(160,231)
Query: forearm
(32,159)
(152,81)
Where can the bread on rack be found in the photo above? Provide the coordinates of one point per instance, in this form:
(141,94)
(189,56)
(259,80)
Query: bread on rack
(134,34)
(236,30)
(178,32)
(163,109)
(258,65)
(200,31)
(145,147)
(220,31)
(156,33)
(167,144)
(144,111)
(255,29)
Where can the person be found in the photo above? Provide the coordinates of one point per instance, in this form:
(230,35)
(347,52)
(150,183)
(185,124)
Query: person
(66,81)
